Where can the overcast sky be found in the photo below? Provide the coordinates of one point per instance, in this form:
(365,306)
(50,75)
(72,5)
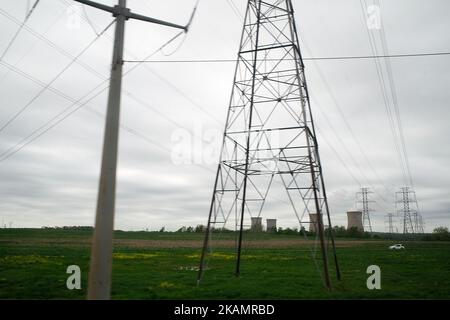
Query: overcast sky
(53,181)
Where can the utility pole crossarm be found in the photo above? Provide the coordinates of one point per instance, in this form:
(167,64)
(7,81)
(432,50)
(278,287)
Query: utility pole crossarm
(156,21)
(117,10)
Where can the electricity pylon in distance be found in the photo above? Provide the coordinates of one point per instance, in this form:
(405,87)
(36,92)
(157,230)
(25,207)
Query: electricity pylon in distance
(390,223)
(408,211)
(363,203)
(269,135)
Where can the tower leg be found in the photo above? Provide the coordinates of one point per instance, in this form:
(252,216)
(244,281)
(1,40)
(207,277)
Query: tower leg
(247,150)
(319,222)
(207,231)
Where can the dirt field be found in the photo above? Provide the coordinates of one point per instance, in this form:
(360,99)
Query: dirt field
(193,244)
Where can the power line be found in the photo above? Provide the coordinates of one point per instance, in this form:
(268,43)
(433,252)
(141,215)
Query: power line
(51,44)
(229,60)
(27,7)
(345,148)
(383,87)
(232,60)
(314,59)
(47,86)
(64,114)
(64,52)
(366,57)
(89,20)
(349,128)
(100,272)
(31,78)
(167,82)
(161,78)
(129,130)
(47,41)
(21,26)
(394,97)
(75,102)
(181,93)
(30,48)
(67,112)
(51,123)
(344,164)
(235,10)
(142,136)
(185,35)
(342,115)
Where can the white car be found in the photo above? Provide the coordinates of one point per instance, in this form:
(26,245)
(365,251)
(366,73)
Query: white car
(397,247)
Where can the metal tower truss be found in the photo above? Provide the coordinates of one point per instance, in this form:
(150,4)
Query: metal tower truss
(269,139)
(407,211)
(390,223)
(363,202)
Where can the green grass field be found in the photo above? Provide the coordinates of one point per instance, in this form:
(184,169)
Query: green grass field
(148,265)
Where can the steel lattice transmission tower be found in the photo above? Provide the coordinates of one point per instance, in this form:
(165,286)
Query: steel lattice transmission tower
(269,135)
(390,223)
(363,200)
(407,210)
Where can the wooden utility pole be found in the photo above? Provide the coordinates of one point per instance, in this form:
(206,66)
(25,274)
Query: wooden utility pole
(99,286)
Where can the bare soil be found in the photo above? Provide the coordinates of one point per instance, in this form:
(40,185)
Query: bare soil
(165,244)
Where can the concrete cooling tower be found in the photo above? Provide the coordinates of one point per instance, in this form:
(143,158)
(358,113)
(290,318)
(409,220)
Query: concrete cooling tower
(354,219)
(313,222)
(271,224)
(256,224)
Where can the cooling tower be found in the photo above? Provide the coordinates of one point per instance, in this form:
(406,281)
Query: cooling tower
(271,224)
(355,220)
(313,222)
(256,224)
